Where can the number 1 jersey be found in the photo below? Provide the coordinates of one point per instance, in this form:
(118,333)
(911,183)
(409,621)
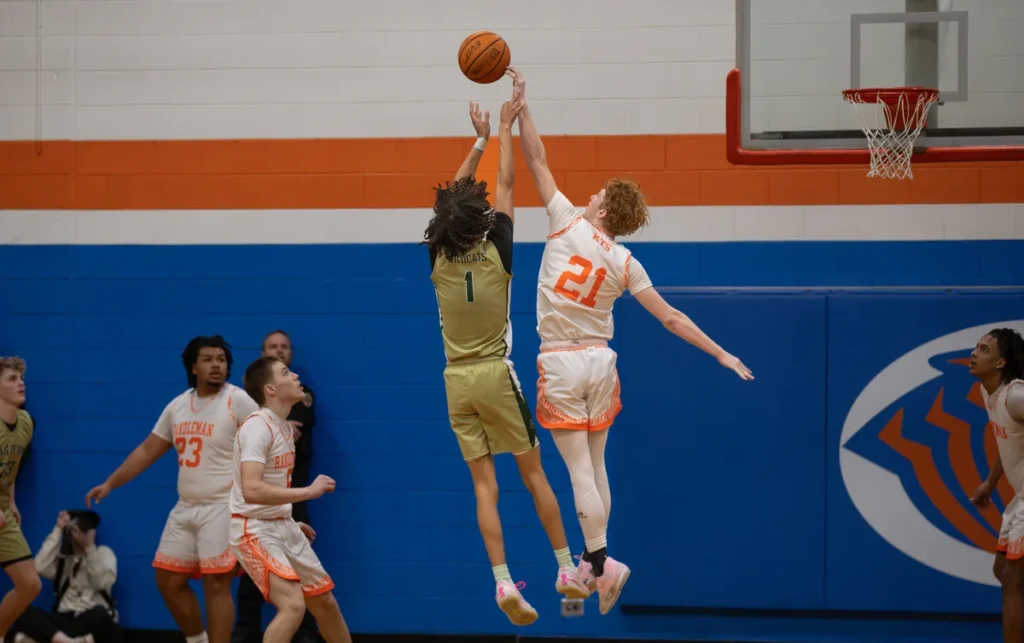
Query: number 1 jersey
(203,433)
(582,273)
(473,296)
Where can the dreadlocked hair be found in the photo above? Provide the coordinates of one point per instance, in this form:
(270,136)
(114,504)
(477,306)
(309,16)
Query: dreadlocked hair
(190,355)
(1011,347)
(462,216)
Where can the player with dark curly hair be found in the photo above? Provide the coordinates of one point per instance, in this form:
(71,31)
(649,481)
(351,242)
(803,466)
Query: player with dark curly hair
(470,248)
(583,272)
(200,424)
(998,363)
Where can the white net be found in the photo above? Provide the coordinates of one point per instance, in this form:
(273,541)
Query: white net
(900,115)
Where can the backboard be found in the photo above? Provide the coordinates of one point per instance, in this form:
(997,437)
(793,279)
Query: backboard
(794,58)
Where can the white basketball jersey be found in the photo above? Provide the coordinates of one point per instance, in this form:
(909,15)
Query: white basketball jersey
(265,438)
(1009,433)
(203,433)
(582,273)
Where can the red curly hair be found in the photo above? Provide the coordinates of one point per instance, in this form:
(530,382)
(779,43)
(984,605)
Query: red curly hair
(626,211)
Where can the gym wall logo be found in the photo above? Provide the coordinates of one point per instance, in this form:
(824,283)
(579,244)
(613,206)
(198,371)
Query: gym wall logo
(913,449)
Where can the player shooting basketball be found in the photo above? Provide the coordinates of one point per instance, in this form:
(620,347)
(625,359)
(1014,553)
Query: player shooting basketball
(470,248)
(584,270)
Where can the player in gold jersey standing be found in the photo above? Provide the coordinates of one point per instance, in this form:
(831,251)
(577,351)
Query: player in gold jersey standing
(470,246)
(15,436)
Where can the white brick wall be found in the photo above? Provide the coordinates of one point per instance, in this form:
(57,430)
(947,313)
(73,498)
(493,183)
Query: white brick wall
(326,68)
(331,68)
(800,51)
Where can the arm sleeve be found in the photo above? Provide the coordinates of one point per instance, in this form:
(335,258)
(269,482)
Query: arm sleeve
(254,439)
(561,213)
(164,428)
(636,276)
(501,235)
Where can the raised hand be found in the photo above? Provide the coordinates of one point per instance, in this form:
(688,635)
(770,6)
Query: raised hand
(510,111)
(481,122)
(518,83)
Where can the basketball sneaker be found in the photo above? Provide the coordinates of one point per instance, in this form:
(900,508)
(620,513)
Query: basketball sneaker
(568,583)
(513,604)
(610,583)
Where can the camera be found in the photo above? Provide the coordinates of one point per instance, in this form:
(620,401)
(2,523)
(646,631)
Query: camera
(83,520)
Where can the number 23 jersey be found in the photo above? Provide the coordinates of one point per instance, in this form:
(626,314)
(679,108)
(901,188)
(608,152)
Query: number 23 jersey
(203,433)
(582,273)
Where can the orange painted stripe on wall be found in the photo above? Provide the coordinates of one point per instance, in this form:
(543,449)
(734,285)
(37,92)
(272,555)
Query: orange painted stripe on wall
(675,170)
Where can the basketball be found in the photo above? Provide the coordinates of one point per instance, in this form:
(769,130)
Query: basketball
(484,56)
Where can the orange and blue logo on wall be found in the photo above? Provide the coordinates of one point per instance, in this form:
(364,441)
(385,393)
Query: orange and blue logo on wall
(914,447)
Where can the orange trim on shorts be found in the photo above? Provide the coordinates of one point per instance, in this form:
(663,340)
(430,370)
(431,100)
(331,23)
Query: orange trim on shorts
(177,565)
(547,415)
(223,564)
(606,419)
(259,563)
(258,558)
(550,417)
(1014,549)
(318,588)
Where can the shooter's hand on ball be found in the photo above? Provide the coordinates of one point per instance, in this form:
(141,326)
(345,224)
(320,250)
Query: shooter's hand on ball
(518,83)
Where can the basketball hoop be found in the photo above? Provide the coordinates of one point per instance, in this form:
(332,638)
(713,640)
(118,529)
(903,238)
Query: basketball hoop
(892,144)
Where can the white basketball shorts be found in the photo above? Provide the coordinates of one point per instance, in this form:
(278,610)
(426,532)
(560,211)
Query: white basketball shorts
(277,546)
(578,386)
(1011,534)
(195,540)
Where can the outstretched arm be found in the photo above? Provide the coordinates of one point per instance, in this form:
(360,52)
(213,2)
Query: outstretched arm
(533,147)
(682,326)
(482,125)
(503,201)
(144,455)
(157,443)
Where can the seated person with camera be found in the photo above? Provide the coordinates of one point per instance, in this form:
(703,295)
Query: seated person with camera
(83,575)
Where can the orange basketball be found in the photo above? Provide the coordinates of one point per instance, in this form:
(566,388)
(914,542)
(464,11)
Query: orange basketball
(484,56)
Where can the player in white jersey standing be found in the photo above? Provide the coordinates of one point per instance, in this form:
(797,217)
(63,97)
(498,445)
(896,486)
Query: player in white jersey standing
(998,363)
(274,549)
(201,424)
(584,270)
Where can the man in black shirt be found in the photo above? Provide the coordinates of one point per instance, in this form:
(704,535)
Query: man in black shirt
(303,419)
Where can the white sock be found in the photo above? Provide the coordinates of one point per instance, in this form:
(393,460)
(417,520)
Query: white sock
(198,638)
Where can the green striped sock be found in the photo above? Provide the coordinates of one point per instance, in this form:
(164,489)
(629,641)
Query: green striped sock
(563,556)
(501,573)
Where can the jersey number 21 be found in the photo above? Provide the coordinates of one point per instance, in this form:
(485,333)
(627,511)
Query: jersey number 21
(580,277)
